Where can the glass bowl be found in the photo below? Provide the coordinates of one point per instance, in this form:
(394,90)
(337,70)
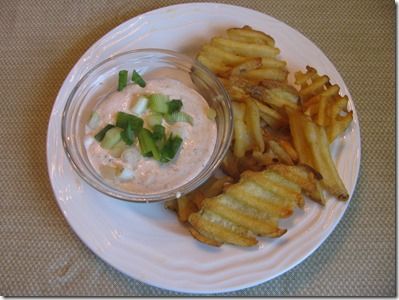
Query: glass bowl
(100,81)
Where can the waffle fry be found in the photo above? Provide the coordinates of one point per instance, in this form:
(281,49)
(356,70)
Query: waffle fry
(252,207)
(322,102)
(311,142)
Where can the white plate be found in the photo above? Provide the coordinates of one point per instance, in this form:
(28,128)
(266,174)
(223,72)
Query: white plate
(145,241)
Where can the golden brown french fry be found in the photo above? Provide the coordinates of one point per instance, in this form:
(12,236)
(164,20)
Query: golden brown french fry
(276,98)
(302,175)
(314,88)
(280,152)
(248,65)
(296,120)
(197,197)
(281,190)
(244,49)
(269,62)
(230,165)
(317,194)
(253,195)
(213,65)
(252,118)
(203,239)
(312,109)
(322,117)
(212,226)
(250,221)
(248,35)
(303,79)
(314,151)
(324,164)
(227,58)
(266,73)
(289,149)
(338,126)
(215,186)
(242,138)
(270,121)
(185,207)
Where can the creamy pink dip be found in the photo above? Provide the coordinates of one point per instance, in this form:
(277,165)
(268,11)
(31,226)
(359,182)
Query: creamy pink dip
(149,175)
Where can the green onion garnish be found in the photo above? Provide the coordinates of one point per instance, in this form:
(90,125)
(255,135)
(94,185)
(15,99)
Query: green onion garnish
(147,144)
(136,78)
(174,105)
(111,138)
(122,81)
(179,117)
(171,147)
(158,132)
(127,134)
(141,105)
(122,120)
(99,136)
(159,103)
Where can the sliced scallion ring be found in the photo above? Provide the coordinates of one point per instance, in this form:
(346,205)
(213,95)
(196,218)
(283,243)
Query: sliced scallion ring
(171,147)
(100,135)
(174,105)
(141,106)
(148,147)
(159,103)
(111,138)
(136,78)
(122,80)
(179,117)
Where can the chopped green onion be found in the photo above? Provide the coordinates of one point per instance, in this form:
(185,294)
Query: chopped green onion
(111,138)
(127,134)
(171,147)
(122,119)
(147,144)
(174,105)
(99,136)
(94,120)
(141,105)
(179,117)
(154,119)
(211,114)
(136,78)
(159,103)
(122,81)
(158,132)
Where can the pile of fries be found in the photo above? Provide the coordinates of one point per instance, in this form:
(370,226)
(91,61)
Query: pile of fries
(280,147)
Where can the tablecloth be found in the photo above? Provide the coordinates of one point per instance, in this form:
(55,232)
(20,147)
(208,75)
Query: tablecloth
(40,41)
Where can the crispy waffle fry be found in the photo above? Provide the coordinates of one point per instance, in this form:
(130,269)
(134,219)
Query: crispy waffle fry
(247,35)
(253,206)
(245,49)
(203,239)
(322,102)
(312,144)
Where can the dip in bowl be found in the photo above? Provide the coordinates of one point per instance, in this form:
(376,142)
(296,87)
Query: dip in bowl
(140,162)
